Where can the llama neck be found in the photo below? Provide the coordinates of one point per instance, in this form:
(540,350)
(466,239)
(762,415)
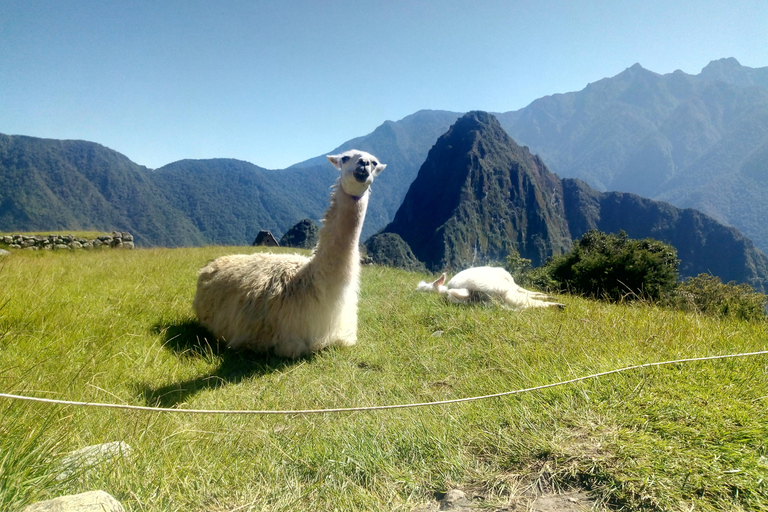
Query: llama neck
(337,251)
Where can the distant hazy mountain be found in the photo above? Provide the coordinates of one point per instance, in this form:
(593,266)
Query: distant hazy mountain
(479,195)
(697,141)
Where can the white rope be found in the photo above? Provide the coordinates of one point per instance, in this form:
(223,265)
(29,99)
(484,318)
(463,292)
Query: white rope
(370,408)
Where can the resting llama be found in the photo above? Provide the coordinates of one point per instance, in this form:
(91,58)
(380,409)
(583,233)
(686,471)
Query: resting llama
(289,303)
(478,284)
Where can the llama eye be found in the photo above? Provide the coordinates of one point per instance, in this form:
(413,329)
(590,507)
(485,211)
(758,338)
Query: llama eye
(374,163)
(344,159)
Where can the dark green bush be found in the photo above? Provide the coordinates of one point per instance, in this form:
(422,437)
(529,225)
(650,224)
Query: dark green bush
(707,295)
(615,267)
(527,276)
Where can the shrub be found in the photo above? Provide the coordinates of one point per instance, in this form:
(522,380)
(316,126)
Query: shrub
(615,267)
(527,276)
(707,295)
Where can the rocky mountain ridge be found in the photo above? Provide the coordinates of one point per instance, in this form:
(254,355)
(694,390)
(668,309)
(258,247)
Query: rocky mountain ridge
(479,196)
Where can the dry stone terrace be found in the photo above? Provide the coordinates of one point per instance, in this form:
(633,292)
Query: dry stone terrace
(114,240)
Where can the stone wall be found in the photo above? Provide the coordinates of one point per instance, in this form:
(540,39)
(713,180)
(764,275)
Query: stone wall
(114,240)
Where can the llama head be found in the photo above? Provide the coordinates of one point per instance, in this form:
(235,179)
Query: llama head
(434,286)
(358,169)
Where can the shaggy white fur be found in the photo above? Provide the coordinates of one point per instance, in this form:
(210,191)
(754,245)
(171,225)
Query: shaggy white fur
(292,304)
(487,284)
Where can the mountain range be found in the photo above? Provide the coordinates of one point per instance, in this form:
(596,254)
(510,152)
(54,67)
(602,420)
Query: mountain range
(695,141)
(49,184)
(78,185)
(479,196)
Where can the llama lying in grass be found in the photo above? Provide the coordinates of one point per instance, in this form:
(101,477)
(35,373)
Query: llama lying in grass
(483,284)
(292,304)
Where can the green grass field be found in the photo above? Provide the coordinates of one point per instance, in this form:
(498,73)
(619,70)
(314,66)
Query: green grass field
(117,326)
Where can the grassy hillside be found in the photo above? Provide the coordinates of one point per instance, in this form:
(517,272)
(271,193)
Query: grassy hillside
(117,326)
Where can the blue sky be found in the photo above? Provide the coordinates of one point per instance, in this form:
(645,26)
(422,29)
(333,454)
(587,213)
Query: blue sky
(275,83)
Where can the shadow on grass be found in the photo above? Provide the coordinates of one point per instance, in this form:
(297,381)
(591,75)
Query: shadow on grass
(191,340)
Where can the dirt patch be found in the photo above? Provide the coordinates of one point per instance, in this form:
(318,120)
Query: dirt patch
(457,500)
(555,483)
(571,502)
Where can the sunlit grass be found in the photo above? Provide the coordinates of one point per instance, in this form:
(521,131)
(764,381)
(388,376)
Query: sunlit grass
(117,326)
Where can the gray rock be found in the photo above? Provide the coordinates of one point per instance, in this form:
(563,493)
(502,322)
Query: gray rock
(454,500)
(91,456)
(3,252)
(302,235)
(391,250)
(92,501)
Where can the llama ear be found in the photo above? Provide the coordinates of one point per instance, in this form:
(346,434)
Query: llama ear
(378,169)
(440,280)
(334,159)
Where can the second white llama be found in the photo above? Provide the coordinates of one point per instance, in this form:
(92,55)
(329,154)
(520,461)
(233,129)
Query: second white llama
(483,284)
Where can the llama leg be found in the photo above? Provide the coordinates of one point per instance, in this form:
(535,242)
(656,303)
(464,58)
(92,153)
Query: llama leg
(517,300)
(346,334)
(294,347)
(458,295)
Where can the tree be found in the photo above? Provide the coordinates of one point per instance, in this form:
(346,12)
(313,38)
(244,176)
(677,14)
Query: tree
(615,267)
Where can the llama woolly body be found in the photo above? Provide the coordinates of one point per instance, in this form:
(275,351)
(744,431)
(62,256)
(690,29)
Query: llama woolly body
(482,284)
(289,303)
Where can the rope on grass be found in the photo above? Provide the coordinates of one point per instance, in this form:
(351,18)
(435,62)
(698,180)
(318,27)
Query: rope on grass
(375,407)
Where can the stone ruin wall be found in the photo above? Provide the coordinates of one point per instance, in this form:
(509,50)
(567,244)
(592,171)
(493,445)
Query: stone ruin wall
(115,240)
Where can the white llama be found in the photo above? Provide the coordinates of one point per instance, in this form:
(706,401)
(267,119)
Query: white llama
(487,284)
(289,303)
